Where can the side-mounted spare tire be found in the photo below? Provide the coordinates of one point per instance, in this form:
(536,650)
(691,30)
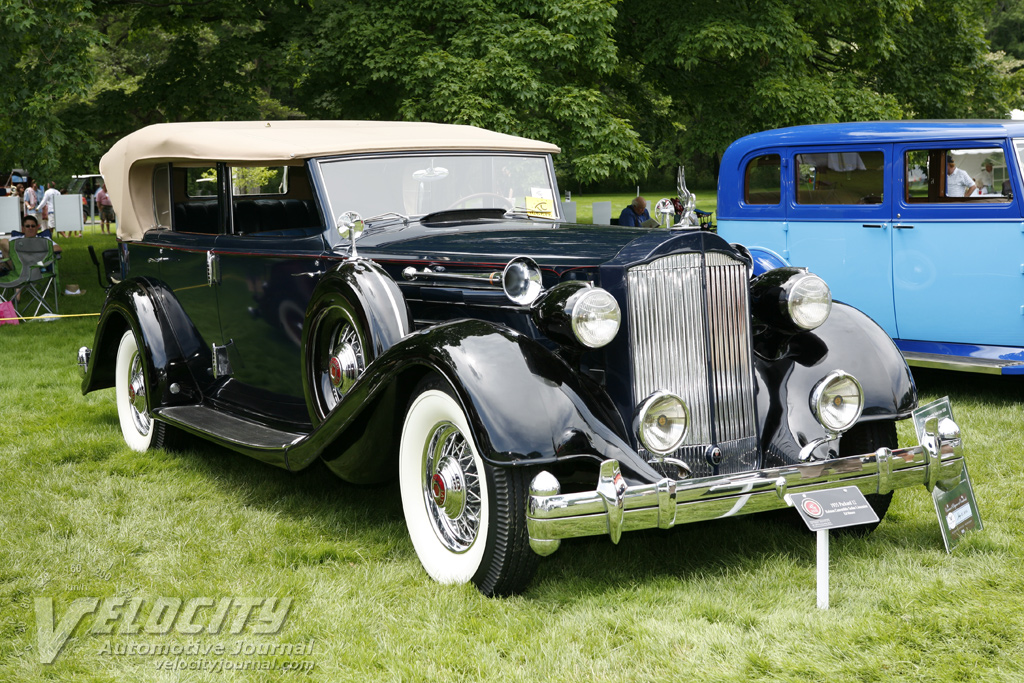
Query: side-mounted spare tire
(356,313)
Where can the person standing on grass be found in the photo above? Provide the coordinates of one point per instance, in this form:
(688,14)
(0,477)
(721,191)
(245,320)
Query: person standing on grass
(47,206)
(106,209)
(32,197)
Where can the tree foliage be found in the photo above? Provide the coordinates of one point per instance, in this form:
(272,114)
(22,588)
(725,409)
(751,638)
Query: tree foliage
(540,69)
(623,86)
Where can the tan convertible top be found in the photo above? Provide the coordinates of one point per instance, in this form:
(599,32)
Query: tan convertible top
(128,167)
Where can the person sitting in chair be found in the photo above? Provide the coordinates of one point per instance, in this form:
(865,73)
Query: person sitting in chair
(636,213)
(30,228)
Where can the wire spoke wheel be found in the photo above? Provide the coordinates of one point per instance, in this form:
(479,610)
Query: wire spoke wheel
(338,359)
(466,518)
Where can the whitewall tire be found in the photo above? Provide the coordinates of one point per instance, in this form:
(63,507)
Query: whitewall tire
(137,426)
(466,518)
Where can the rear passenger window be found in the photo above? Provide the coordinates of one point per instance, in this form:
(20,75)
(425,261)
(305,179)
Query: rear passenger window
(963,175)
(763,180)
(840,177)
(272,200)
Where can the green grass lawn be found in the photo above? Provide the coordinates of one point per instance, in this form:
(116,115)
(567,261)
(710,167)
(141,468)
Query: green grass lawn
(83,516)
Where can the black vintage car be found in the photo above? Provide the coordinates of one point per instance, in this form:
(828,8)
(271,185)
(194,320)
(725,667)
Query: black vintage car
(403,299)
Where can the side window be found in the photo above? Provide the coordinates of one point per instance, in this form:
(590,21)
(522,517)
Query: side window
(958,175)
(762,181)
(196,204)
(201,181)
(272,200)
(840,177)
(162,195)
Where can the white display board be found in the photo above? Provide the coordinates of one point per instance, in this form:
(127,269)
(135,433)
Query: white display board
(10,214)
(602,213)
(67,209)
(569,211)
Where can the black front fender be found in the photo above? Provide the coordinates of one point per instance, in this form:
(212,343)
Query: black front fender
(850,341)
(525,405)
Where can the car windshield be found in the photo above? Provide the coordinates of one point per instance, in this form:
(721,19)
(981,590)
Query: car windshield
(421,184)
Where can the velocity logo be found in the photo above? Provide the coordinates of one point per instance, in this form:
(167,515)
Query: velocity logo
(132,616)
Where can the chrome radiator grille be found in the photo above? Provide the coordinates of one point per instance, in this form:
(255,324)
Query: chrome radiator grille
(690,334)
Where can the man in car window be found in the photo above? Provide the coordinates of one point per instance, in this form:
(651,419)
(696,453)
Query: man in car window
(985,182)
(958,181)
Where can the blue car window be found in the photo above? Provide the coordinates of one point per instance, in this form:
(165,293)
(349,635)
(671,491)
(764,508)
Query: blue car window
(962,175)
(763,180)
(840,177)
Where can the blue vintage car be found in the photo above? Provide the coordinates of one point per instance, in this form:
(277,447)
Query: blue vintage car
(916,223)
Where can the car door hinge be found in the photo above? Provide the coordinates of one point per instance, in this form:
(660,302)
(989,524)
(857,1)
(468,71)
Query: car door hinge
(212,268)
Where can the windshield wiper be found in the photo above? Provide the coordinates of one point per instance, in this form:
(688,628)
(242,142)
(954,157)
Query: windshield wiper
(387,214)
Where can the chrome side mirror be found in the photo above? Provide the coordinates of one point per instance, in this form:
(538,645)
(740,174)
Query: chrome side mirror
(350,226)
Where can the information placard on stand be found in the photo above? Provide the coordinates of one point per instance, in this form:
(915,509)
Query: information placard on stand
(830,509)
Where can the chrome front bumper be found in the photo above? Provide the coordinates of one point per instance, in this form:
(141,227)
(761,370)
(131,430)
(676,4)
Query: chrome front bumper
(614,507)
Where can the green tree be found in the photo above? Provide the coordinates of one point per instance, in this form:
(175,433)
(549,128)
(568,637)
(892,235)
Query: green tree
(733,68)
(541,69)
(43,66)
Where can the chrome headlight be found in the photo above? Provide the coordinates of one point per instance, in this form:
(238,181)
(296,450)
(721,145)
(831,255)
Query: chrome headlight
(809,301)
(575,313)
(791,299)
(595,317)
(661,422)
(837,401)
(521,281)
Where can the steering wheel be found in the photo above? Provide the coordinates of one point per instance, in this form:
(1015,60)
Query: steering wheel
(508,205)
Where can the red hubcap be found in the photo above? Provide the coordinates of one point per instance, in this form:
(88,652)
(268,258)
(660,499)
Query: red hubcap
(335,371)
(438,489)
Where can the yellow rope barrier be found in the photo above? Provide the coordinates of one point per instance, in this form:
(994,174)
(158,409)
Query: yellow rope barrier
(50,316)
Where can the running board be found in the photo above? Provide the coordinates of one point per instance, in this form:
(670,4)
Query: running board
(238,433)
(987,366)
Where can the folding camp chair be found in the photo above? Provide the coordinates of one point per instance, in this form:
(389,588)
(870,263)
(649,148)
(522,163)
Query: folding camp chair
(34,274)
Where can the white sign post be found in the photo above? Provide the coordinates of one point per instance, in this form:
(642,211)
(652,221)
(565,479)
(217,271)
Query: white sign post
(830,509)
(822,568)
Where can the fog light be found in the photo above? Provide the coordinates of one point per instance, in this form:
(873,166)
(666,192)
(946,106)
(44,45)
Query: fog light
(837,401)
(661,422)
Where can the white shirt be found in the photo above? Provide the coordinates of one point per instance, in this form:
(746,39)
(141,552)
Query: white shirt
(957,183)
(985,180)
(48,198)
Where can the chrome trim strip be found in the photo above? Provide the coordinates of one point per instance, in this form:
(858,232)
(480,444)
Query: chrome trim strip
(985,366)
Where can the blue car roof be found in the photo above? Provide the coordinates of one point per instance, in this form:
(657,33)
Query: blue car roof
(731,170)
(875,131)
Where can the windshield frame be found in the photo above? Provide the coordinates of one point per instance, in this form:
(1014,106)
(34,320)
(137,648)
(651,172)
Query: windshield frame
(333,210)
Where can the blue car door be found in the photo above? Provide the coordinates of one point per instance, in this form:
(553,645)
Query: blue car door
(959,260)
(839,223)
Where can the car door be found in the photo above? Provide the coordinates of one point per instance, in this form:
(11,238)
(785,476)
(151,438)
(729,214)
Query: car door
(839,223)
(958,261)
(267,269)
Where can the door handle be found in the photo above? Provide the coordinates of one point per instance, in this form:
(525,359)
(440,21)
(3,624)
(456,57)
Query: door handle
(162,259)
(873,225)
(903,227)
